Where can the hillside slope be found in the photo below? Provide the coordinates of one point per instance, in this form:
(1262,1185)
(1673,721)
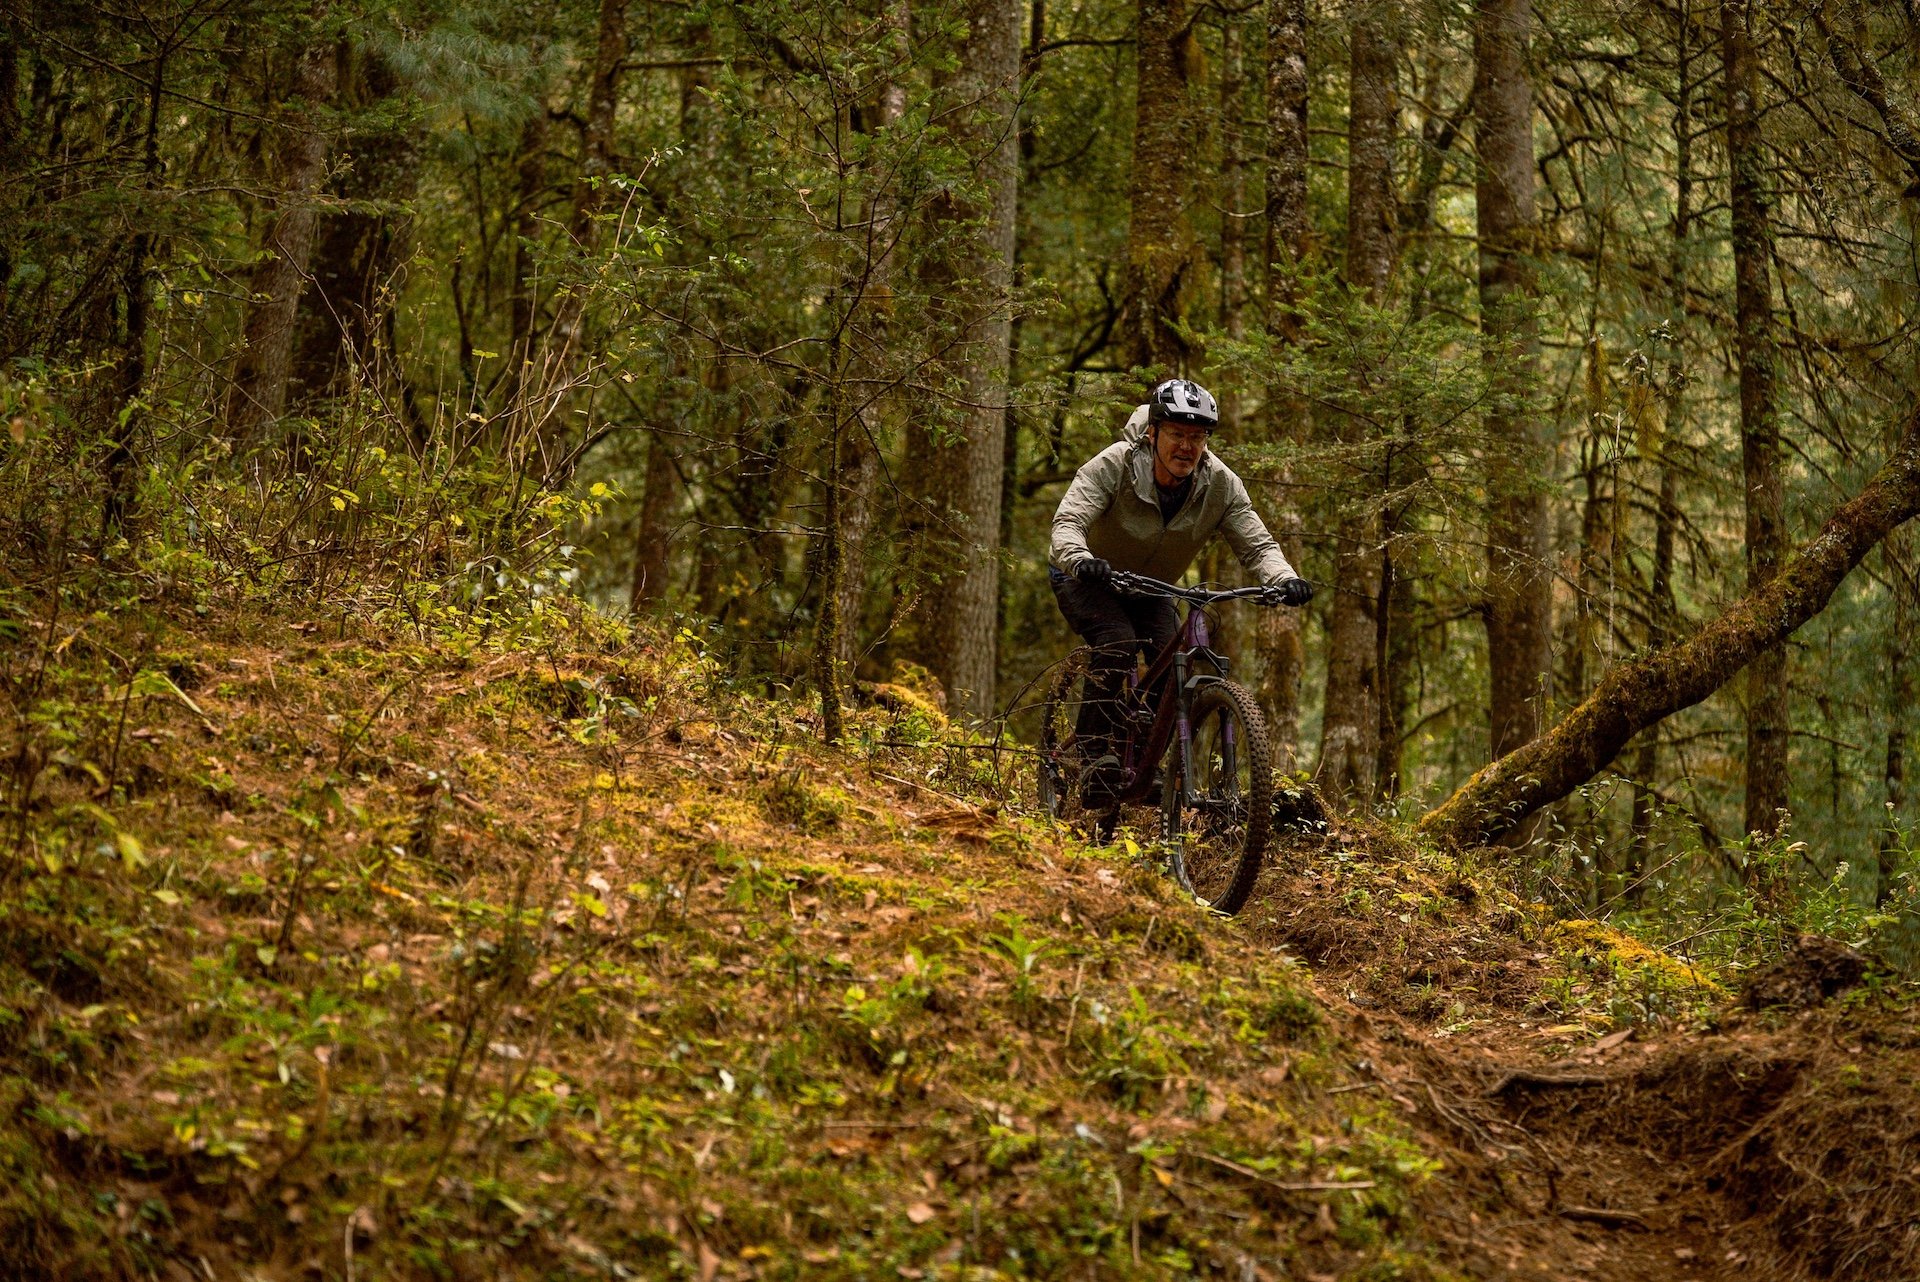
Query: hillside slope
(328,953)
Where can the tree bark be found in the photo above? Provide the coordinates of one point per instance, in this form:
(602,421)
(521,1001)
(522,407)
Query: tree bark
(653,543)
(1641,692)
(1162,252)
(957,636)
(1656,443)
(1350,725)
(133,358)
(859,471)
(360,252)
(1755,354)
(1288,245)
(1519,583)
(258,393)
(1900,696)
(12,157)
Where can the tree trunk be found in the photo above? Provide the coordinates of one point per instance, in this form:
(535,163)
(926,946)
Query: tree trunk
(1641,692)
(1519,584)
(12,158)
(361,249)
(1394,643)
(258,393)
(1900,695)
(866,431)
(1350,726)
(957,633)
(1233,223)
(1234,291)
(1161,249)
(1656,443)
(133,357)
(1278,632)
(1754,351)
(653,541)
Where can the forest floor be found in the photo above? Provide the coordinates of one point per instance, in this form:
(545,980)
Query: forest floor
(328,952)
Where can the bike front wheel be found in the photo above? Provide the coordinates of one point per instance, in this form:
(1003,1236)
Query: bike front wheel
(1216,821)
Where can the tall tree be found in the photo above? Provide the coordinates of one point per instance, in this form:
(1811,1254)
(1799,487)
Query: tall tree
(960,482)
(13,156)
(1519,585)
(1288,244)
(1905,594)
(258,394)
(364,240)
(1656,437)
(1350,725)
(858,466)
(1755,355)
(1162,251)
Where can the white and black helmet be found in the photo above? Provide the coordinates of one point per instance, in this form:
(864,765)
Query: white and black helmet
(1183,402)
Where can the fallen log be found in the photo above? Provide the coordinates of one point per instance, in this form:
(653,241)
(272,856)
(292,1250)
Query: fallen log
(1640,692)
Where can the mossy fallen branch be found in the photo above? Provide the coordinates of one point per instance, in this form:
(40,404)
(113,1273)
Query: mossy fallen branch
(1641,692)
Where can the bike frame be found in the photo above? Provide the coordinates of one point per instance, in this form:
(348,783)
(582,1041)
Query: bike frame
(1168,687)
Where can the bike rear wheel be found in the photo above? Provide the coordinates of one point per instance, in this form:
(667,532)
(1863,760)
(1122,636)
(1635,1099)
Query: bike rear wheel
(1060,762)
(1217,824)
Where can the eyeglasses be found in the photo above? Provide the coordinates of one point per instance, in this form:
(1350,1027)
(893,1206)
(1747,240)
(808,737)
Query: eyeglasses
(1185,434)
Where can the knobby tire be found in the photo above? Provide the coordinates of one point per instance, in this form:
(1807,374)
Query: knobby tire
(1232,846)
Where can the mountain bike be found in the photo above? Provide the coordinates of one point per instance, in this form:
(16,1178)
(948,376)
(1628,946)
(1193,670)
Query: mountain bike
(1187,730)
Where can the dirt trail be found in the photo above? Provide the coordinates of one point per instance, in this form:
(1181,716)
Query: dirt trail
(1764,1146)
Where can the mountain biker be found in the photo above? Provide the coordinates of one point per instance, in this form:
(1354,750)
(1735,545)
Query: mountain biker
(1147,504)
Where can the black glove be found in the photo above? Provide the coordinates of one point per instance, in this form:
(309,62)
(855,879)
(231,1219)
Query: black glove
(1093,570)
(1294,592)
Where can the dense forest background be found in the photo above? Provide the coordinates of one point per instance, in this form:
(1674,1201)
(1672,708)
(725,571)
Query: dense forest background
(1543,333)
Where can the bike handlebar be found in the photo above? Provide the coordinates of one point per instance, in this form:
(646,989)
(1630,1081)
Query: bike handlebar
(1140,585)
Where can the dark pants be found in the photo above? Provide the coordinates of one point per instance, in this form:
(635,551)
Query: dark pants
(1118,628)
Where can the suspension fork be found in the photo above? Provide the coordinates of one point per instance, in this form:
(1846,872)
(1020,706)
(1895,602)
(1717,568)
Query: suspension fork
(1183,725)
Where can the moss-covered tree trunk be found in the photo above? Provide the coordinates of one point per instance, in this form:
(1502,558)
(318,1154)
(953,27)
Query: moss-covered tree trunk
(958,483)
(1350,725)
(1657,447)
(1162,253)
(258,393)
(361,249)
(1904,619)
(1755,353)
(1278,632)
(1638,693)
(1519,605)
(866,427)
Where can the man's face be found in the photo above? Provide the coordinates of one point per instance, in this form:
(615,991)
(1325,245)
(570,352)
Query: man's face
(1179,447)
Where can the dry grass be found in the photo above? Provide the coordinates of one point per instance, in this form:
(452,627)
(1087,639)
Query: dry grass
(334,956)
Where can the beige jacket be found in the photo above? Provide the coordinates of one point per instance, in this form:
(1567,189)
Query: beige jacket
(1112,511)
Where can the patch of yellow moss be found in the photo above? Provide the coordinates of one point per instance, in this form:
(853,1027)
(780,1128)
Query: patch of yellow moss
(1625,953)
(903,699)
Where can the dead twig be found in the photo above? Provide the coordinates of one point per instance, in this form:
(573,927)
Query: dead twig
(1605,1215)
(1286,1186)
